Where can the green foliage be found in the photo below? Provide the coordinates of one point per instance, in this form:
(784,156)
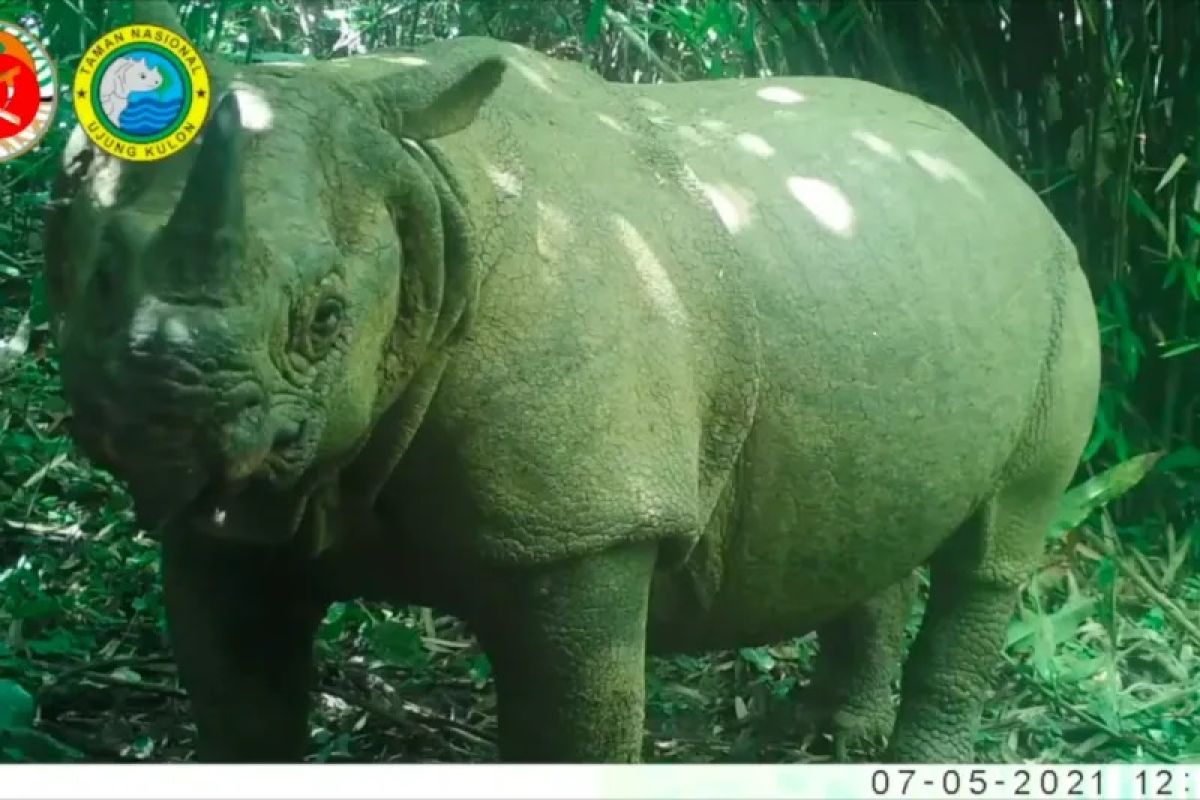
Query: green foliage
(398,643)
(1083,500)
(1097,107)
(16,706)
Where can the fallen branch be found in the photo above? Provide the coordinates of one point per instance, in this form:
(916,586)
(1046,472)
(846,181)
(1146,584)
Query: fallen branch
(89,745)
(94,668)
(1064,706)
(1130,570)
(142,686)
(410,709)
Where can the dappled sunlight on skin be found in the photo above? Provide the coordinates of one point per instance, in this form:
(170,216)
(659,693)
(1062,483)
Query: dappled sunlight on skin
(937,167)
(148,320)
(731,206)
(828,205)
(254,109)
(612,123)
(719,132)
(877,144)
(692,135)
(106,170)
(553,237)
(659,287)
(755,145)
(656,112)
(780,94)
(106,178)
(531,75)
(76,143)
(177,332)
(942,170)
(505,182)
(702,190)
(407,61)
(546,69)
(647,104)
(661,120)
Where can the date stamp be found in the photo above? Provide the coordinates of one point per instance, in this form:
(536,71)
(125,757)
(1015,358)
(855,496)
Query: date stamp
(1033,781)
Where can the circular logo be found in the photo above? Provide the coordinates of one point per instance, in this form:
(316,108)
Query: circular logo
(141,92)
(28,91)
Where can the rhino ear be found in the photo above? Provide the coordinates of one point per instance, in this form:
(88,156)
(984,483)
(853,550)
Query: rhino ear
(163,14)
(448,108)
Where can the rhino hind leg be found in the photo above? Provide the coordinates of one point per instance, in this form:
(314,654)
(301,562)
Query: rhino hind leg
(859,659)
(974,582)
(976,574)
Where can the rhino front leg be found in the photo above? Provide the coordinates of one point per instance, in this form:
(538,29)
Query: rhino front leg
(860,656)
(242,629)
(568,649)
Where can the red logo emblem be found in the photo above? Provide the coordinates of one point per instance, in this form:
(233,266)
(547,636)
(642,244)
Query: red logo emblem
(19,98)
(28,92)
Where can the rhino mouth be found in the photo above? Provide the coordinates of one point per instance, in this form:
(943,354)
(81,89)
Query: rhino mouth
(183,497)
(252,510)
(208,511)
(248,503)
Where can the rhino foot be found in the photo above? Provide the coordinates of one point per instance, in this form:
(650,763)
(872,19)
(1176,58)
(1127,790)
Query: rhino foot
(859,659)
(861,733)
(858,725)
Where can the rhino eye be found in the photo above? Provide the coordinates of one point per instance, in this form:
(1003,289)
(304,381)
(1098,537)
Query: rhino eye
(327,318)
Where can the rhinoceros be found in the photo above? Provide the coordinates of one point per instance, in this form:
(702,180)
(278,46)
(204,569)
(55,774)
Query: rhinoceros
(604,370)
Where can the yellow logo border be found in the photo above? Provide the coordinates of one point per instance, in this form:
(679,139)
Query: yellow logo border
(153,37)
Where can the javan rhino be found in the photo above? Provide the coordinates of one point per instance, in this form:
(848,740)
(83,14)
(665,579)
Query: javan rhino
(602,369)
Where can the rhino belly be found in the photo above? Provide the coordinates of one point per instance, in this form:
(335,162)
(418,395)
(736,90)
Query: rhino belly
(820,523)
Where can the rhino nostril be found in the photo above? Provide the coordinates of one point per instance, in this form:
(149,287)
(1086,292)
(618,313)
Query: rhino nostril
(287,435)
(185,374)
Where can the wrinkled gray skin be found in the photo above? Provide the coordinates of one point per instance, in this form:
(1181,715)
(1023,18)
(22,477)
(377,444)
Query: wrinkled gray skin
(601,369)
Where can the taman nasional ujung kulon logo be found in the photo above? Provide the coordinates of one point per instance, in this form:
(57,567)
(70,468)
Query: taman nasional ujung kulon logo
(141,92)
(28,91)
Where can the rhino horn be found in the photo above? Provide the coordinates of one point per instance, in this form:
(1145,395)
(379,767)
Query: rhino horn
(210,214)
